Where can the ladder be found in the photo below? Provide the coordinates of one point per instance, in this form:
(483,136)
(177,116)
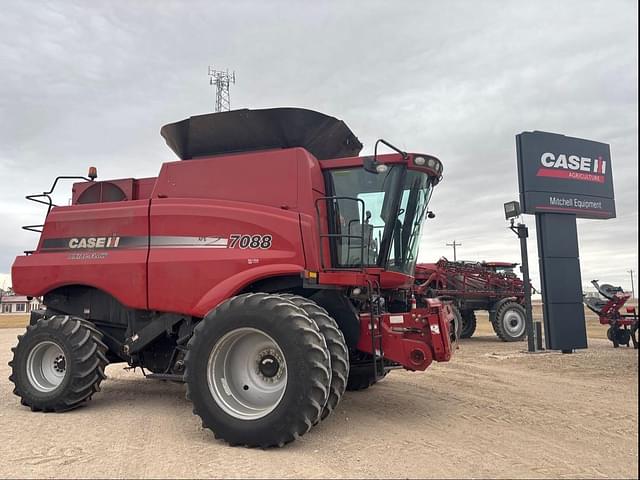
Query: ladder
(375,326)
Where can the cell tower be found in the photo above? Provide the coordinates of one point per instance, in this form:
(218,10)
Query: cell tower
(222,80)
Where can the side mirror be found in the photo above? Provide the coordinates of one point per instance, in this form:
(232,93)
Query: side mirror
(430,214)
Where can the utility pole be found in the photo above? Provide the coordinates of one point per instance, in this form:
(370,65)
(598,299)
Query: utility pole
(454,245)
(222,80)
(633,293)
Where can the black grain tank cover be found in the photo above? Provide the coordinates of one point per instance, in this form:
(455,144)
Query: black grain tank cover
(247,130)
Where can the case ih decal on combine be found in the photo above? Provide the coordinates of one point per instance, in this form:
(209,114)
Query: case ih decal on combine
(470,286)
(267,298)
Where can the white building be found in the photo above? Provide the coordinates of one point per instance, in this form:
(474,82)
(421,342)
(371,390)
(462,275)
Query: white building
(17,304)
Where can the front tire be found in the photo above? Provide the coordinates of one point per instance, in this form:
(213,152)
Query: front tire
(257,370)
(58,363)
(337,350)
(509,323)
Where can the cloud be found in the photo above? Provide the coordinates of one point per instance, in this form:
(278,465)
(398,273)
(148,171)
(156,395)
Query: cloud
(91,84)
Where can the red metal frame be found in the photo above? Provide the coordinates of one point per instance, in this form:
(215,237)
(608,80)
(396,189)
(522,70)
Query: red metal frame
(622,327)
(610,313)
(467,280)
(413,339)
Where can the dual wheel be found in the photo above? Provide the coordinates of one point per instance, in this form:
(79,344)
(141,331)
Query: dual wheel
(262,369)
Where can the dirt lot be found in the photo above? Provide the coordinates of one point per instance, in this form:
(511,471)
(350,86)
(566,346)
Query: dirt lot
(13,321)
(492,412)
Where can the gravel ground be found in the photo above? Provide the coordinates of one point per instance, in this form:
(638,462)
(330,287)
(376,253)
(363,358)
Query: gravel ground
(493,411)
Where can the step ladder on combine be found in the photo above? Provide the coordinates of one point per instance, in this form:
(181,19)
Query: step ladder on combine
(375,325)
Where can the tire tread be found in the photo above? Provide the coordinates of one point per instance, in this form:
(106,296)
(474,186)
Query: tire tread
(337,349)
(307,334)
(498,325)
(88,354)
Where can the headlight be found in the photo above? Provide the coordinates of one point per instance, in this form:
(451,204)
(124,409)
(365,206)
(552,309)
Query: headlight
(429,162)
(381,168)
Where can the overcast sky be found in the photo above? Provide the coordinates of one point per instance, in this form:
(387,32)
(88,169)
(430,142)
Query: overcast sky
(91,83)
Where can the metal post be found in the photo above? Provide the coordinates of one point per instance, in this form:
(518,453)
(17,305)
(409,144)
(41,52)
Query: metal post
(523,232)
(633,293)
(538,335)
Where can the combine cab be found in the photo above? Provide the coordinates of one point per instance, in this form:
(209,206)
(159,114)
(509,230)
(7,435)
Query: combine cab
(269,269)
(471,286)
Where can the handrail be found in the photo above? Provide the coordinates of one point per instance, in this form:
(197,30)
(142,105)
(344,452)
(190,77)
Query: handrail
(349,236)
(33,228)
(37,197)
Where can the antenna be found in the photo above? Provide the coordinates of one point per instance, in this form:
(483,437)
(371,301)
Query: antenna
(222,80)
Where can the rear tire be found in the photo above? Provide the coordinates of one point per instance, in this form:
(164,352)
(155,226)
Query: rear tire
(622,336)
(337,349)
(362,377)
(469,323)
(361,381)
(509,323)
(58,363)
(257,370)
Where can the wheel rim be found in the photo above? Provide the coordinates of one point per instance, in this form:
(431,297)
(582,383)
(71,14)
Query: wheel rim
(513,323)
(247,373)
(46,366)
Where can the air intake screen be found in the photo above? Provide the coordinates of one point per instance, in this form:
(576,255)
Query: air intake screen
(102,192)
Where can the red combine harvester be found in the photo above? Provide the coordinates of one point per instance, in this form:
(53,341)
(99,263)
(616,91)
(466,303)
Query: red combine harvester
(623,327)
(471,286)
(270,269)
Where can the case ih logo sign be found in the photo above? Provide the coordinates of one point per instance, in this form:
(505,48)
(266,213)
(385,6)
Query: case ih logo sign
(560,174)
(574,167)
